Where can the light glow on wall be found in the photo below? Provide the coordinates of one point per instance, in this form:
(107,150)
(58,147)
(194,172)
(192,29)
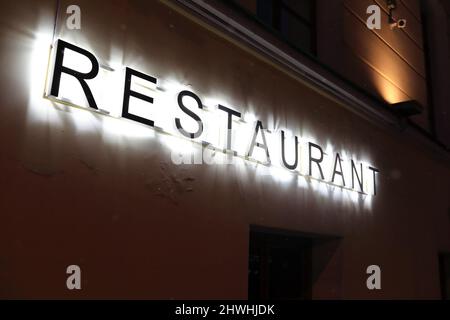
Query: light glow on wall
(108,90)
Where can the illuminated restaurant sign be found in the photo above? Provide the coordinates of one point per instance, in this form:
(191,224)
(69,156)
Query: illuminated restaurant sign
(217,127)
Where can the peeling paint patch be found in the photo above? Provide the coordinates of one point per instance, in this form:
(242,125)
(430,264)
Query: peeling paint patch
(42,170)
(170,184)
(89,166)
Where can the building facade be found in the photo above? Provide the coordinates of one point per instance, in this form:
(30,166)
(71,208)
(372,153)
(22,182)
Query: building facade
(182,149)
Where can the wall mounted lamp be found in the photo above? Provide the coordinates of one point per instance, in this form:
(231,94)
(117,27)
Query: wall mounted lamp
(407,108)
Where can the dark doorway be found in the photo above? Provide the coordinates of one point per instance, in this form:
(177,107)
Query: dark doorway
(444,270)
(279,266)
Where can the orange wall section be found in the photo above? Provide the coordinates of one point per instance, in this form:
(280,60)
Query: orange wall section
(390,64)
